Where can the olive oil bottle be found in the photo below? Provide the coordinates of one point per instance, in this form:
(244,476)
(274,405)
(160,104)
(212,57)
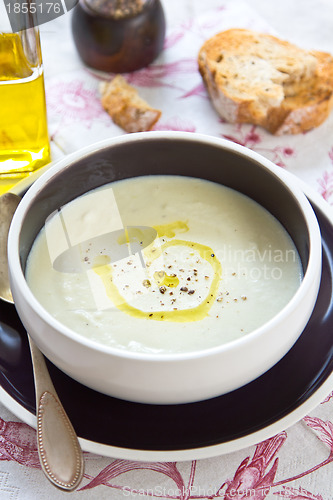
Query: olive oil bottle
(24,140)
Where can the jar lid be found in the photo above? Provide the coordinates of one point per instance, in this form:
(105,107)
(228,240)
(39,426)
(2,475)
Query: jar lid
(117,9)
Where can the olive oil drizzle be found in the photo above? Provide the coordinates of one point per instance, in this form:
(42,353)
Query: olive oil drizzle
(170,230)
(103,268)
(164,279)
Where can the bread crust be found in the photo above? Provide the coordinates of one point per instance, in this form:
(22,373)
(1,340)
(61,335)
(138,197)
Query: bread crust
(126,108)
(257,78)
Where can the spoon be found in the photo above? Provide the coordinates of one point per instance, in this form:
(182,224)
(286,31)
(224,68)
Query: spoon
(58,446)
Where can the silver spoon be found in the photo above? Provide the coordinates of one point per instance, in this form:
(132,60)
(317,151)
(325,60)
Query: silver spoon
(58,446)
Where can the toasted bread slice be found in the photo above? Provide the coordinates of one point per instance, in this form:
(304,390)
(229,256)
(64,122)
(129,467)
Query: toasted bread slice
(126,108)
(258,78)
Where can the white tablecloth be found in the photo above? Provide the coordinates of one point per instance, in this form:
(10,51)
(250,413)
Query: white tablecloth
(297,463)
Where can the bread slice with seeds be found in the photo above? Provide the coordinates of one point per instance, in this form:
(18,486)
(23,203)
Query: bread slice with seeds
(257,78)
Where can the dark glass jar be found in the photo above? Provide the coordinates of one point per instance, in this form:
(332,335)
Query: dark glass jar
(118,36)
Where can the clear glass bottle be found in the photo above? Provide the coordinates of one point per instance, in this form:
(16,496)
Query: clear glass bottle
(24,140)
(118,36)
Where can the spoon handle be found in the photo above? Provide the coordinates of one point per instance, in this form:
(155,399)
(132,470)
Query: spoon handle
(58,446)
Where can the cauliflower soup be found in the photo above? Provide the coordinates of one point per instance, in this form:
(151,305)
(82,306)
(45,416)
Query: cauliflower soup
(163,264)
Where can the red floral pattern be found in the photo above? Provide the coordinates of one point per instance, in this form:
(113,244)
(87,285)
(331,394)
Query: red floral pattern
(254,477)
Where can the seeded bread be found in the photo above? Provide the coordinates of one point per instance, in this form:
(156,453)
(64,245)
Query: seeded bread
(257,78)
(126,108)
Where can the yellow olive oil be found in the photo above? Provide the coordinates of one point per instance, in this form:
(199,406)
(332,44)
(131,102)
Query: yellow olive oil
(103,268)
(24,140)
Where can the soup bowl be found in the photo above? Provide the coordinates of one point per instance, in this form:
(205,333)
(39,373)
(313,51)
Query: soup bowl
(180,377)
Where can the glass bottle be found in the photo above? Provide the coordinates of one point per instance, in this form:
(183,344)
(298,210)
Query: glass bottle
(24,140)
(118,36)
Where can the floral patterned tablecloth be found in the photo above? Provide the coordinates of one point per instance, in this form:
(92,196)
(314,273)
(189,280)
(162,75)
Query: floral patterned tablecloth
(296,463)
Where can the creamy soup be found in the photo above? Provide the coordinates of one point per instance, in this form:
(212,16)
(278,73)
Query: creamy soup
(163,264)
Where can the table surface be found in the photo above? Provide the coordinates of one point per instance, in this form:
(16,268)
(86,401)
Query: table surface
(297,462)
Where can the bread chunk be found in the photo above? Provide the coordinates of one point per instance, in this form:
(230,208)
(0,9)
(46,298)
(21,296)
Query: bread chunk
(257,78)
(126,108)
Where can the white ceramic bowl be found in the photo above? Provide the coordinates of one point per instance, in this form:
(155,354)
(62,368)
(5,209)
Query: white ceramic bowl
(177,378)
